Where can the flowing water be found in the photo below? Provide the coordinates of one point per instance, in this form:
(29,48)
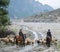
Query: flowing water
(36,38)
(26,48)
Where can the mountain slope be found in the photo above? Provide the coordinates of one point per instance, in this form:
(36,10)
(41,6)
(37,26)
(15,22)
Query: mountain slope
(53,16)
(25,8)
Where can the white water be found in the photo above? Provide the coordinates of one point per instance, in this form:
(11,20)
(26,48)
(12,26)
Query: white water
(35,44)
(28,47)
(35,34)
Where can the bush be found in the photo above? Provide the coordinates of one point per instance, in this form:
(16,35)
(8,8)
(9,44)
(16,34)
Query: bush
(5,33)
(4,3)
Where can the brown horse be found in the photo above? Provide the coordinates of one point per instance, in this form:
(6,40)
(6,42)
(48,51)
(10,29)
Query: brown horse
(18,40)
(48,41)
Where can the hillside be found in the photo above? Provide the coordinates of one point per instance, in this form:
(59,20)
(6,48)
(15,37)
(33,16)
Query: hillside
(53,16)
(25,8)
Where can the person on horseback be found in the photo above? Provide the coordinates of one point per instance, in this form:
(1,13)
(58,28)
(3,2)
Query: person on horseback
(48,38)
(23,35)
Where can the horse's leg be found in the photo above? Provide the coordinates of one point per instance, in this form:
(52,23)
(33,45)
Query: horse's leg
(16,42)
(24,43)
(48,43)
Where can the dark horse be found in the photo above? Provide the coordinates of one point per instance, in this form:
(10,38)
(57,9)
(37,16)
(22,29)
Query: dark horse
(18,40)
(48,41)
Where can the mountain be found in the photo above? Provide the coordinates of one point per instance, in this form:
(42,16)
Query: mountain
(25,8)
(52,16)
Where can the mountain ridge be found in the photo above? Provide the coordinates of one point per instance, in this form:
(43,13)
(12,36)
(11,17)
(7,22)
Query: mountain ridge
(52,16)
(25,8)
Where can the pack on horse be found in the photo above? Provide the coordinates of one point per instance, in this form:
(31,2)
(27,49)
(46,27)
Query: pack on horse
(48,38)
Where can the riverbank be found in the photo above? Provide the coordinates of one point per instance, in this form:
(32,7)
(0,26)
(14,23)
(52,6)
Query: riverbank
(37,27)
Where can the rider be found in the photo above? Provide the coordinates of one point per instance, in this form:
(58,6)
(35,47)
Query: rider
(48,38)
(23,35)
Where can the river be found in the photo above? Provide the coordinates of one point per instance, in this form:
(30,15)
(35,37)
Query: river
(26,48)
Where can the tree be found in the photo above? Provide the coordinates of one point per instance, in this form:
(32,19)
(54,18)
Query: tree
(4,3)
(4,17)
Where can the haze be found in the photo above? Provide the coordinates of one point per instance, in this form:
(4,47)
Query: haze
(54,3)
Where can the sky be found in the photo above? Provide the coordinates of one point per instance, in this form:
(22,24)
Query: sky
(54,3)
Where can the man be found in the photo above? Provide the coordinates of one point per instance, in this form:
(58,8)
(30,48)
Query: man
(48,38)
(23,36)
(21,33)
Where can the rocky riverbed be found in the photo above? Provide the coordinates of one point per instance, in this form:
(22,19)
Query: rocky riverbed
(37,31)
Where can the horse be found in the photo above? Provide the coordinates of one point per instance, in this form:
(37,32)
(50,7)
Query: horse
(48,41)
(19,40)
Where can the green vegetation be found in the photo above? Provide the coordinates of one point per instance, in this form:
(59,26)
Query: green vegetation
(4,16)
(4,3)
